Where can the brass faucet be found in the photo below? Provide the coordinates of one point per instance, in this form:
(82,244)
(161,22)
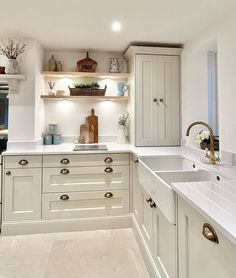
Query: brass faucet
(212,158)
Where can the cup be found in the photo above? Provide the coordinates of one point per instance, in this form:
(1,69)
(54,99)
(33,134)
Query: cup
(122,88)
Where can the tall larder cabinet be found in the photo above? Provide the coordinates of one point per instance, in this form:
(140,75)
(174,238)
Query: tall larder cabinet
(154,104)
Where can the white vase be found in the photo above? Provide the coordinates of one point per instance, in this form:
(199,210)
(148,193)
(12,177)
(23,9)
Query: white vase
(121,137)
(12,67)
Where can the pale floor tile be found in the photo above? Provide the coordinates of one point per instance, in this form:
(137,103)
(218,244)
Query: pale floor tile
(93,254)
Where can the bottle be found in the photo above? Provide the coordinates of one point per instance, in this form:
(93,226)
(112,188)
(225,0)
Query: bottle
(52,64)
(59,66)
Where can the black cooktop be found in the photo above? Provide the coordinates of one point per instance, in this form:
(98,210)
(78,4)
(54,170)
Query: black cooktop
(81,148)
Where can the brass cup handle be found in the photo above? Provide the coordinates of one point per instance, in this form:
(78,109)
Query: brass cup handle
(65,172)
(23,162)
(108,170)
(153,205)
(209,233)
(149,200)
(8,173)
(108,195)
(64,197)
(65,161)
(108,160)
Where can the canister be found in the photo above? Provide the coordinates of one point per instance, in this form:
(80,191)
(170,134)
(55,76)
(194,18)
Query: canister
(56,139)
(48,139)
(52,128)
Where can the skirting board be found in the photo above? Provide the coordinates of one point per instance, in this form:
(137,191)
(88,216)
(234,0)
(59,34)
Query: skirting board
(153,271)
(68,225)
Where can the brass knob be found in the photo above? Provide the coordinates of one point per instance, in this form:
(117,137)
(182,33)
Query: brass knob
(153,205)
(23,162)
(108,160)
(209,233)
(64,197)
(108,195)
(108,170)
(161,100)
(136,161)
(65,171)
(65,161)
(8,173)
(149,200)
(155,99)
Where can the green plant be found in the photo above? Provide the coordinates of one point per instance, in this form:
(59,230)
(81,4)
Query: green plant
(93,85)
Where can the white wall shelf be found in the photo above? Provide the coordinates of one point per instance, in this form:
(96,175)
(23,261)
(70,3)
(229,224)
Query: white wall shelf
(99,75)
(13,81)
(116,98)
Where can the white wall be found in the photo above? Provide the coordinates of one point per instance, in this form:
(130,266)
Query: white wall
(69,115)
(194,91)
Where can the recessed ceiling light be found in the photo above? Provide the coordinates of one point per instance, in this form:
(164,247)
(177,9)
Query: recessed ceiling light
(116,26)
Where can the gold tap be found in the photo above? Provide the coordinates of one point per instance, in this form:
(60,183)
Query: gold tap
(212,157)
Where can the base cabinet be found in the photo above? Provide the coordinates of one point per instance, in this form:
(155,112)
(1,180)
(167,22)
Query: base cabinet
(22,194)
(199,257)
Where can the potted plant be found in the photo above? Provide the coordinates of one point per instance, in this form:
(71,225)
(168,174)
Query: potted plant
(12,50)
(123,124)
(88,89)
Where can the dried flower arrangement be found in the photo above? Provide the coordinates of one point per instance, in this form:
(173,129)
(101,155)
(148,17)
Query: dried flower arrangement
(124,119)
(12,49)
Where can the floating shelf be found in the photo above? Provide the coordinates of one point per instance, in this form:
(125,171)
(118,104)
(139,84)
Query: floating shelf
(13,81)
(11,76)
(85,75)
(117,98)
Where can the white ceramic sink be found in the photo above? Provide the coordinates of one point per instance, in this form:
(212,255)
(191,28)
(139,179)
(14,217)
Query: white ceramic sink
(157,173)
(169,163)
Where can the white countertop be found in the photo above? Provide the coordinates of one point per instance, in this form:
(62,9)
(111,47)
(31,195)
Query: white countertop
(215,202)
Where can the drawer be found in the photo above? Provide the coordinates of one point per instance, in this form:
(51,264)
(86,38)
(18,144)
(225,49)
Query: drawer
(85,204)
(85,160)
(26,161)
(85,178)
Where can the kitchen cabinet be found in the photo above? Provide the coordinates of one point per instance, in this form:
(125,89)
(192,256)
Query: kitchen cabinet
(22,194)
(154,104)
(136,189)
(198,256)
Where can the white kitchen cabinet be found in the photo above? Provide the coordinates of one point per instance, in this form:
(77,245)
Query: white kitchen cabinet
(136,189)
(198,256)
(22,194)
(157,100)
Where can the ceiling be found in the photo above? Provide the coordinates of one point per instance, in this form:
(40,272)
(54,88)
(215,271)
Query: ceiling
(86,24)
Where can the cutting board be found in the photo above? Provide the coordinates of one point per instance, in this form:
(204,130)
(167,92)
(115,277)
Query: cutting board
(93,121)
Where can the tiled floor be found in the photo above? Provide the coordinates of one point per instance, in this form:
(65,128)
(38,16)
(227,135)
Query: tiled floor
(94,254)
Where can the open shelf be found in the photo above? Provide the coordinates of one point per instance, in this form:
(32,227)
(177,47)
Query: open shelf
(11,77)
(85,75)
(46,97)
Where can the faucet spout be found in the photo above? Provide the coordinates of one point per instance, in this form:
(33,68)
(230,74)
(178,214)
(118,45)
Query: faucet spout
(212,157)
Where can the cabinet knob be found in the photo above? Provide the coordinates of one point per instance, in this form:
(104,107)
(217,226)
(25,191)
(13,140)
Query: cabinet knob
(149,200)
(209,233)
(155,100)
(161,100)
(64,197)
(108,170)
(108,160)
(136,161)
(23,162)
(108,195)
(65,171)
(153,205)
(8,173)
(65,161)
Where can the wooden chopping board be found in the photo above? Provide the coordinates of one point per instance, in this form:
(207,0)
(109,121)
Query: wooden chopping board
(93,120)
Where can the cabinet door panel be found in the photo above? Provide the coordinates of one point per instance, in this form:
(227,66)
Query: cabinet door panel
(199,257)
(146,108)
(137,193)
(22,194)
(168,95)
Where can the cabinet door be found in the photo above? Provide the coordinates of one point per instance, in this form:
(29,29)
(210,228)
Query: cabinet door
(164,245)
(168,100)
(22,194)
(199,257)
(146,94)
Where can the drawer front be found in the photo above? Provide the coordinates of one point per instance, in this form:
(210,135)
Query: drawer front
(85,160)
(26,161)
(85,178)
(85,204)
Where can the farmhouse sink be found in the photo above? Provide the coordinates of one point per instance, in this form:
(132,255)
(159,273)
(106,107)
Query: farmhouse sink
(158,183)
(168,163)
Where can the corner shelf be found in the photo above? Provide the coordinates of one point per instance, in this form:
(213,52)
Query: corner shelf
(100,75)
(116,98)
